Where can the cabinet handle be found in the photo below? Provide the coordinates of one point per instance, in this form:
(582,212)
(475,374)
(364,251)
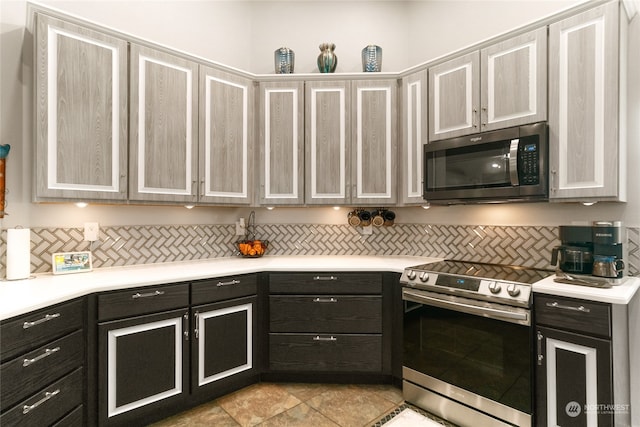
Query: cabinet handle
(552,177)
(325,299)
(540,355)
(229,283)
(147,295)
(319,338)
(186,326)
(47,395)
(196,331)
(46,318)
(47,352)
(327,278)
(474,118)
(581,308)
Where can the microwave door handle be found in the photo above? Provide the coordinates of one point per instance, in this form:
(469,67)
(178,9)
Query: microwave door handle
(513,162)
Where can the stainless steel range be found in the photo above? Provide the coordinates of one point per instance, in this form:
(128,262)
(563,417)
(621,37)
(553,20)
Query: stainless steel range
(468,341)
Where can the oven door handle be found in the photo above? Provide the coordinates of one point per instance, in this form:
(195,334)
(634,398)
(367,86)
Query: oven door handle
(495,313)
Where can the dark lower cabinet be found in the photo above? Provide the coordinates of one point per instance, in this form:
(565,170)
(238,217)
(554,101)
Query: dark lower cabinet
(574,377)
(223,347)
(143,367)
(576,367)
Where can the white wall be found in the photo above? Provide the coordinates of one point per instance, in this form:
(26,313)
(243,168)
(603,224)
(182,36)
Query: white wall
(244,35)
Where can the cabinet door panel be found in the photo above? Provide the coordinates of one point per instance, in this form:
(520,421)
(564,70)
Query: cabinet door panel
(226,137)
(224,339)
(142,363)
(414,135)
(584,106)
(81,112)
(514,81)
(454,97)
(574,376)
(374,175)
(327,139)
(281,143)
(164,132)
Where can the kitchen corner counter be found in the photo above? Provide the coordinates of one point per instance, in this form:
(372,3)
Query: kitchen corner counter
(619,294)
(22,296)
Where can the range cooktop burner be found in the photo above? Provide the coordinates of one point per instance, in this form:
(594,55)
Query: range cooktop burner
(486,271)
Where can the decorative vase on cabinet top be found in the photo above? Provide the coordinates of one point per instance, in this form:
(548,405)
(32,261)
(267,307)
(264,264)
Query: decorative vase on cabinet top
(284,60)
(327,60)
(372,58)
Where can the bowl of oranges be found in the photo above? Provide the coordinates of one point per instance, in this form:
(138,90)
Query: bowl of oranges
(252,248)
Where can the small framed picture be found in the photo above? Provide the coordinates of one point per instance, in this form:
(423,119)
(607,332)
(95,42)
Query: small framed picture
(71,262)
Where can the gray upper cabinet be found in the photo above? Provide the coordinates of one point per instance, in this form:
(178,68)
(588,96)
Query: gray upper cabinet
(414,127)
(281,129)
(514,81)
(374,142)
(163,143)
(502,85)
(587,150)
(226,137)
(81,113)
(327,142)
(454,97)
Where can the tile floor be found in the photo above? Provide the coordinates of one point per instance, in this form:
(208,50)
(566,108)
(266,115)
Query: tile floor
(284,404)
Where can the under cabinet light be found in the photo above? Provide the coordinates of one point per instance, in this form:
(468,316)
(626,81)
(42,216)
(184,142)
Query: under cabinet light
(588,203)
(270,208)
(82,204)
(336,208)
(426,205)
(188,206)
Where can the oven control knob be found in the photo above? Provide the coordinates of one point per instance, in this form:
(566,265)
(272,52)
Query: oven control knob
(411,275)
(513,290)
(495,287)
(424,277)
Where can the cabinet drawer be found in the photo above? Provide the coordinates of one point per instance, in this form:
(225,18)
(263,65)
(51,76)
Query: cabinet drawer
(74,418)
(313,283)
(34,370)
(326,353)
(34,329)
(325,313)
(137,301)
(48,405)
(593,318)
(223,288)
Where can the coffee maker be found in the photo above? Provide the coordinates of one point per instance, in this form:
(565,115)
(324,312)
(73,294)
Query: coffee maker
(608,249)
(575,254)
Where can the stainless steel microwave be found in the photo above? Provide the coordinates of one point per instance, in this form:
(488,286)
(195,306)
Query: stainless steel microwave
(507,165)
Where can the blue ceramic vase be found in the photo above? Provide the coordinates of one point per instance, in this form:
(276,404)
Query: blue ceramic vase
(372,59)
(327,60)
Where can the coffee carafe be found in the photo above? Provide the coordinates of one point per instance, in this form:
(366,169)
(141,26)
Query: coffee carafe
(608,249)
(575,254)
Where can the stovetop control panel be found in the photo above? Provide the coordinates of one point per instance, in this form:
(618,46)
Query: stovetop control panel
(501,291)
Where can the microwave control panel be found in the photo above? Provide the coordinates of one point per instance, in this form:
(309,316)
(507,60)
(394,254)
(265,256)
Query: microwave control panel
(528,158)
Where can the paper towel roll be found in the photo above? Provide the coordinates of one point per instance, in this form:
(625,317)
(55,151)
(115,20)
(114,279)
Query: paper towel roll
(18,253)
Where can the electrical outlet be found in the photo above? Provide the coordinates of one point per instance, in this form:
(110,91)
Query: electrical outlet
(241,228)
(366,230)
(91,231)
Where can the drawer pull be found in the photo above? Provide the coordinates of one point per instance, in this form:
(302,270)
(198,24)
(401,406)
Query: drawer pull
(229,283)
(46,318)
(326,278)
(325,299)
(540,355)
(47,395)
(147,295)
(47,352)
(319,338)
(581,308)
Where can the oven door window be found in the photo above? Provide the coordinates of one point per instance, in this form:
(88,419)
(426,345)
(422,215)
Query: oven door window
(488,357)
(474,166)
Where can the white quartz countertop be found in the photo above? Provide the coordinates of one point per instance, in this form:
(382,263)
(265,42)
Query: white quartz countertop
(619,294)
(22,296)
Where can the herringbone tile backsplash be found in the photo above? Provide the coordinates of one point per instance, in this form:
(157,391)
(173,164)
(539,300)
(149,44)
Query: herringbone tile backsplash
(127,245)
